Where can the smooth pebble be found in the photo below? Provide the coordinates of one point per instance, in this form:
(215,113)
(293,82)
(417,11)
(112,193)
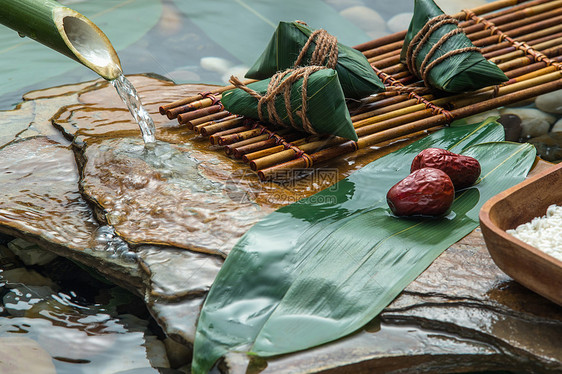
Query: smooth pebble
(550,102)
(366,19)
(399,22)
(534,122)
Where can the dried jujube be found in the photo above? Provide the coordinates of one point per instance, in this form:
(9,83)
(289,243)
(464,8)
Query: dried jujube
(463,170)
(427,191)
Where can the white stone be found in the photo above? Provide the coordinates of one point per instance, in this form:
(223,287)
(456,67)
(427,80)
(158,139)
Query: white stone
(557,126)
(23,355)
(399,22)
(180,76)
(366,19)
(476,118)
(550,102)
(454,6)
(534,122)
(342,4)
(238,71)
(31,254)
(216,64)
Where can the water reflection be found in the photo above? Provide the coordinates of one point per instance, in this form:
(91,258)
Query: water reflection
(71,324)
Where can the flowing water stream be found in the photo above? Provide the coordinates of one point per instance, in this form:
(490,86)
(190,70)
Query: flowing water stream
(130,97)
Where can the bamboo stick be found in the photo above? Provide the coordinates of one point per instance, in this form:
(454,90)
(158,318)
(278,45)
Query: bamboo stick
(219,90)
(555,43)
(382,117)
(199,104)
(532,42)
(200,127)
(400,70)
(487,8)
(403,118)
(531,24)
(63,30)
(221,126)
(389,53)
(233,149)
(215,138)
(415,126)
(211,117)
(186,117)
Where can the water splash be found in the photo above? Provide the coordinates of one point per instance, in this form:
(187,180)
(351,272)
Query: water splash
(130,97)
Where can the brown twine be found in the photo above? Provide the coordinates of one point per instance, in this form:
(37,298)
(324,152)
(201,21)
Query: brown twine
(422,38)
(280,84)
(412,94)
(279,140)
(527,49)
(326,50)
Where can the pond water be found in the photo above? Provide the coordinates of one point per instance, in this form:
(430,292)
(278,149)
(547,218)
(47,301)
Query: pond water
(84,324)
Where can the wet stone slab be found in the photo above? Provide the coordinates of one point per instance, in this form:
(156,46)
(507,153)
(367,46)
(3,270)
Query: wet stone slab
(159,222)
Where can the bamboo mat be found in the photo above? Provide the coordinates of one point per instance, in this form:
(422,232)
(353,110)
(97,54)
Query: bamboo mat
(524,38)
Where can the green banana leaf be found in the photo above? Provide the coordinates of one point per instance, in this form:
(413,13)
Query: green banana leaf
(321,268)
(326,111)
(462,72)
(356,75)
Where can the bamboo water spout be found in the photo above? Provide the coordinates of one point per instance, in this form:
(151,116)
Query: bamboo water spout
(63,30)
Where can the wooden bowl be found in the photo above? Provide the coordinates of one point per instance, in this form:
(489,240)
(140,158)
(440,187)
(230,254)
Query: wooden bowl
(529,266)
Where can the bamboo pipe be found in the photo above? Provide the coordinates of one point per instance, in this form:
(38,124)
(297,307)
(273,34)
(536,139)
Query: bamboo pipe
(63,30)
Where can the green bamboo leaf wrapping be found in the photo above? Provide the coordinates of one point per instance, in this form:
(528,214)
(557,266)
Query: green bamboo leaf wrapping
(356,75)
(462,72)
(319,269)
(326,111)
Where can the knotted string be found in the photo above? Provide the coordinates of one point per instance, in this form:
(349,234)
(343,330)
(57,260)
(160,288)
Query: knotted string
(325,53)
(281,84)
(422,38)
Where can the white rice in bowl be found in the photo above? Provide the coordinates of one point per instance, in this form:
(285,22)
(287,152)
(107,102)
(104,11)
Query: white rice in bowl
(544,233)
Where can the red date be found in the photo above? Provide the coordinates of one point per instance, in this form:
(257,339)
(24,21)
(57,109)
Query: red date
(463,170)
(426,191)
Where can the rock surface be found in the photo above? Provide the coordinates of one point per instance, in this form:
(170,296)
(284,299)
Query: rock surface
(462,312)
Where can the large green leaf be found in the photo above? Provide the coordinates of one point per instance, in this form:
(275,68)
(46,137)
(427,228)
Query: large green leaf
(321,268)
(243,27)
(26,62)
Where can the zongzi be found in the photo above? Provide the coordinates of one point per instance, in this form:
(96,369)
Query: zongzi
(437,51)
(295,44)
(309,99)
